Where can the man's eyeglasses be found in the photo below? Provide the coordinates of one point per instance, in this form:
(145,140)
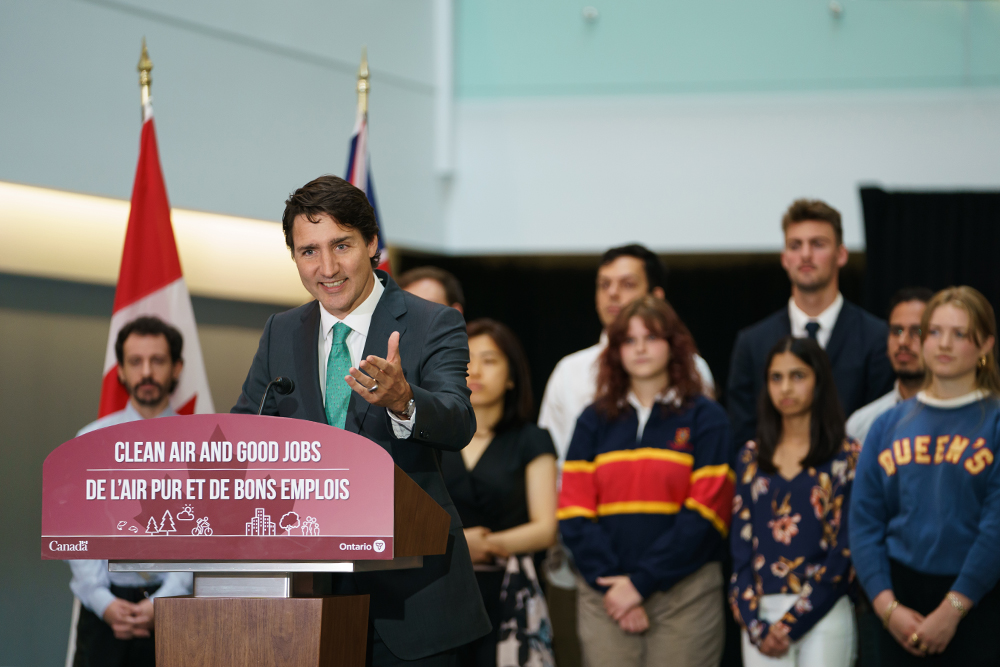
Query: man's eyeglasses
(897,332)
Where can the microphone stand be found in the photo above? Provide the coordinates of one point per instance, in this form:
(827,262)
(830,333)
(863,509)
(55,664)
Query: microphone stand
(282,385)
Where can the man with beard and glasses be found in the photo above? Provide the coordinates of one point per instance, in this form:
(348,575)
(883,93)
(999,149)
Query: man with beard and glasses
(905,311)
(116,618)
(854,339)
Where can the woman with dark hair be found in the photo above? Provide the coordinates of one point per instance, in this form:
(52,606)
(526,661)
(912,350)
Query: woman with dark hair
(504,482)
(925,521)
(791,560)
(645,500)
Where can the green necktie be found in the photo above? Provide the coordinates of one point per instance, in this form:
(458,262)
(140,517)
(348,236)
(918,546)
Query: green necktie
(338,394)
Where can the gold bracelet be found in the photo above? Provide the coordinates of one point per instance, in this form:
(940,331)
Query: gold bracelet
(957,604)
(888,612)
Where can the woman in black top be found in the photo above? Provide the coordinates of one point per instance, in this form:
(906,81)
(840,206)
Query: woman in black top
(504,482)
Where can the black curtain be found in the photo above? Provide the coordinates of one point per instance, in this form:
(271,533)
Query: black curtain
(930,239)
(549,301)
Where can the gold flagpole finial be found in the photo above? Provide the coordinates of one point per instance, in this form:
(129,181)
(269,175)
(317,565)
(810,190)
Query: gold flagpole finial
(363,85)
(145,79)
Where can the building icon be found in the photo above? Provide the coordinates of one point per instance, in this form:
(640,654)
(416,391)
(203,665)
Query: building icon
(261,524)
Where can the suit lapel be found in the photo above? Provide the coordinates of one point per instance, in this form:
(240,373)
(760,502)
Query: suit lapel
(841,329)
(385,320)
(782,327)
(306,350)
(785,322)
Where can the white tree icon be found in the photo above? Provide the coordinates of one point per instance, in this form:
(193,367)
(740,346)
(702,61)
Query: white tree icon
(151,527)
(288,521)
(167,523)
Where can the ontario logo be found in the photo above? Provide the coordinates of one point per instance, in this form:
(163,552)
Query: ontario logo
(55,545)
(379,546)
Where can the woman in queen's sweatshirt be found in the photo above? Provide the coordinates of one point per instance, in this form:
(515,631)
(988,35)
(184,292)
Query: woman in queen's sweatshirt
(925,517)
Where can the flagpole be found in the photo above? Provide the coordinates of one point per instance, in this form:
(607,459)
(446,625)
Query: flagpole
(363,85)
(145,78)
(150,279)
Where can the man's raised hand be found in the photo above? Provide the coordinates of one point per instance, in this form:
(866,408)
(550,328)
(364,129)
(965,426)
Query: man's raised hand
(382,383)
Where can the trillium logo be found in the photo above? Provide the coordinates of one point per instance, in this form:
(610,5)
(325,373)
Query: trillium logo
(379,546)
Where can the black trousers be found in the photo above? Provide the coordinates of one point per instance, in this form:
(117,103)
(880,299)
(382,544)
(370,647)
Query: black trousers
(976,642)
(869,629)
(97,646)
(483,651)
(379,655)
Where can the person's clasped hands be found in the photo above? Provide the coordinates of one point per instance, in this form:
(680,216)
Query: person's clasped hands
(129,620)
(776,643)
(923,635)
(482,549)
(623,603)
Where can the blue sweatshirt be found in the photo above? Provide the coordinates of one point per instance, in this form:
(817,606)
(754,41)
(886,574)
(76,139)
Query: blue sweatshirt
(927,494)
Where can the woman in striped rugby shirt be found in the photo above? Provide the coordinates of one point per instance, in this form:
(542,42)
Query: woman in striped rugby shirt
(646,498)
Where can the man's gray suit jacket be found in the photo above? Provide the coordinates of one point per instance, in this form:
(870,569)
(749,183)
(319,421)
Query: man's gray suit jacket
(417,612)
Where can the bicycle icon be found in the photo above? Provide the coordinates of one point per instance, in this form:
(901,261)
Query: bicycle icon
(203,528)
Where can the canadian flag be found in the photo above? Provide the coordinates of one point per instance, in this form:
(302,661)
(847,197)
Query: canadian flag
(150,282)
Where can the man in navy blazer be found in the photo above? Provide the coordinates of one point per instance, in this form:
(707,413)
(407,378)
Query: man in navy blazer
(854,339)
(372,359)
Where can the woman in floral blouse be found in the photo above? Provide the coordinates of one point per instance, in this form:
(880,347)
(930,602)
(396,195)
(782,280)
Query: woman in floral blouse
(791,561)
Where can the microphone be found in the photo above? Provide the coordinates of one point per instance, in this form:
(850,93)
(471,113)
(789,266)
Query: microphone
(282,385)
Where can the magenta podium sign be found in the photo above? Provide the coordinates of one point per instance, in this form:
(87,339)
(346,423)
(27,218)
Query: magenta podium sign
(218,487)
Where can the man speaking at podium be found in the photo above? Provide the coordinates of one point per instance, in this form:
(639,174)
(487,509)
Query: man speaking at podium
(370,358)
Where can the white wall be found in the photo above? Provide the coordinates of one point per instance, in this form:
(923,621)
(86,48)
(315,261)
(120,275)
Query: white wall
(252,99)
(708,173)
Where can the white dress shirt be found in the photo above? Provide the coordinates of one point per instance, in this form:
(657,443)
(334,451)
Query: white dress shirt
(861,421)
(827,319)
(359,321)
(572,386)
(91,580)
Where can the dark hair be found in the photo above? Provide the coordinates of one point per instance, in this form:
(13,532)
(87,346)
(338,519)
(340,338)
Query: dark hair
(518,403)
(613,381)
(340,200)
(452,288)
(826,423)
(150,326)
(656,270)
(805,210)
(906,294)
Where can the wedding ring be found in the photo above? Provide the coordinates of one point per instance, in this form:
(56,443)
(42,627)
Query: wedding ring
(374,388)
(914,639)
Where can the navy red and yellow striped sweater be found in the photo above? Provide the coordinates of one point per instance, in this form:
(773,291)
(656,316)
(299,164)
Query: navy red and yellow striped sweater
(655,507)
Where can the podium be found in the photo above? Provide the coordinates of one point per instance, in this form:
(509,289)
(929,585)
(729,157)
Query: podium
(175,495)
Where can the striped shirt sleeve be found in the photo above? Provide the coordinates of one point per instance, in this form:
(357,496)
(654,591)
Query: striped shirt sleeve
(577,510)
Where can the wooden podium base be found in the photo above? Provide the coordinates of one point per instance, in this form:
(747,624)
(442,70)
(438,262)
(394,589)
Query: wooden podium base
(270,632)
